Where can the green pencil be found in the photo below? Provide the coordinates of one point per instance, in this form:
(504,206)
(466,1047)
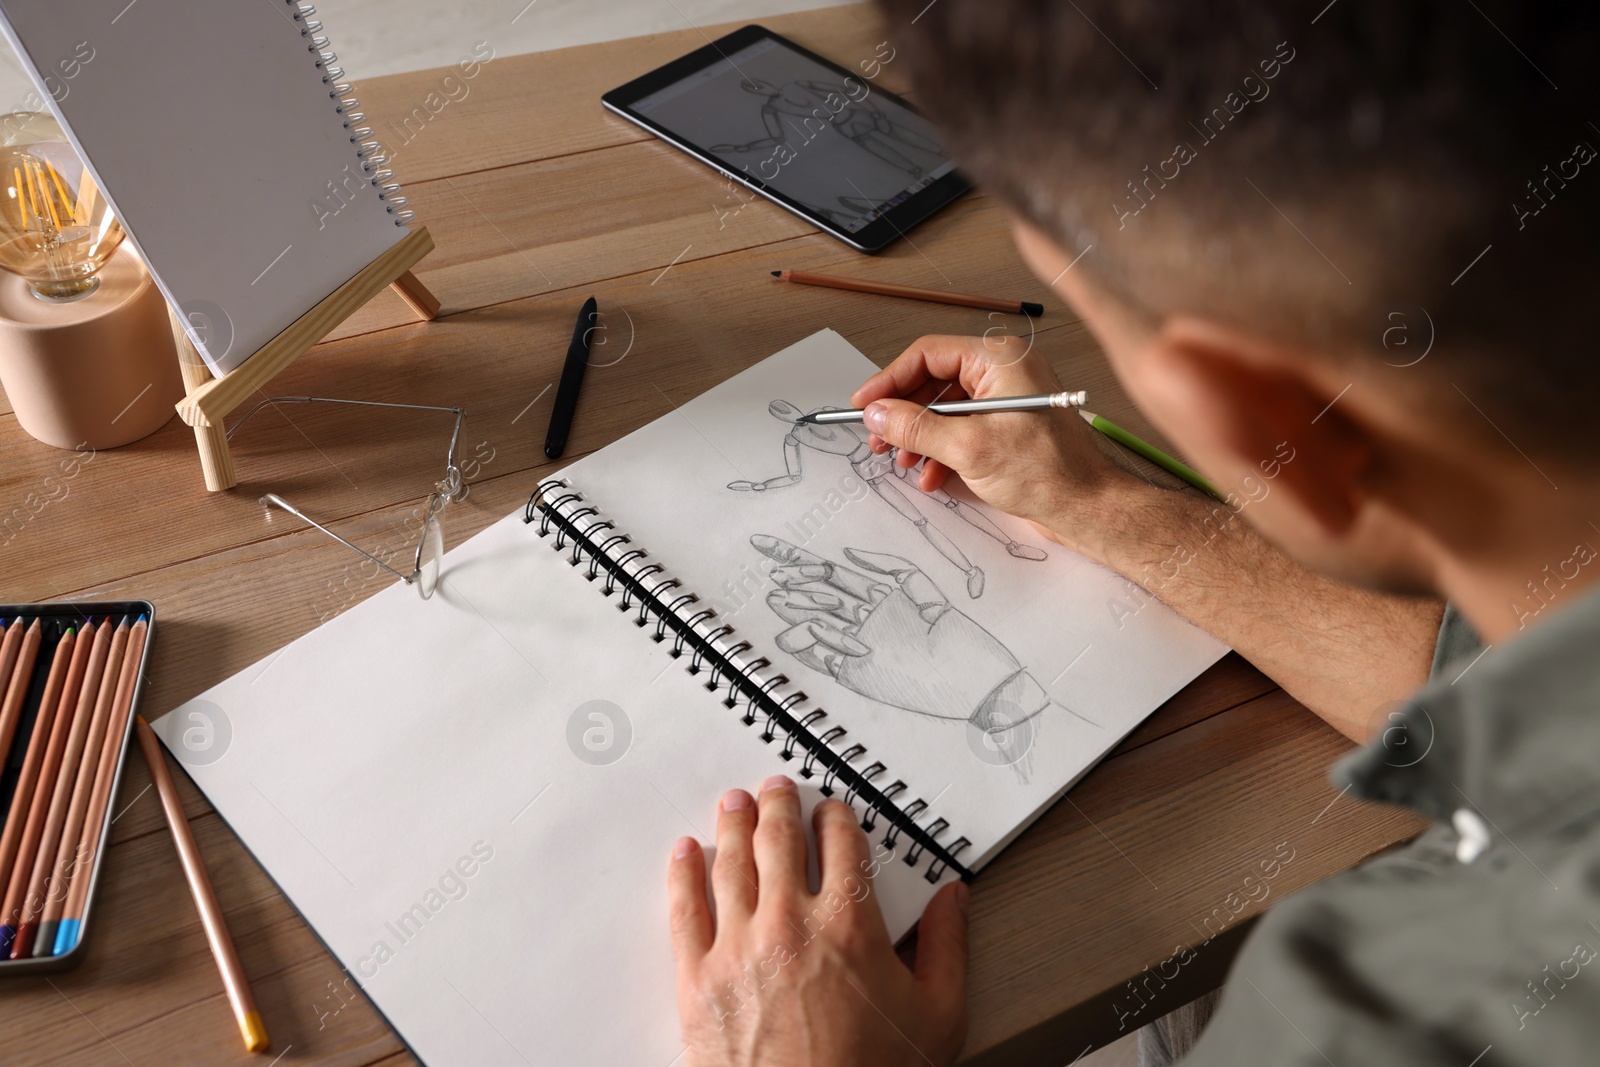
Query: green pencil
(1149,452)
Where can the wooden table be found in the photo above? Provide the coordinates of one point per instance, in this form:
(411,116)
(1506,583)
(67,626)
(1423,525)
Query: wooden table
(537,198)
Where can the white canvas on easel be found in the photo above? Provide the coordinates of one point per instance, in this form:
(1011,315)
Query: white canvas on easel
(223,138)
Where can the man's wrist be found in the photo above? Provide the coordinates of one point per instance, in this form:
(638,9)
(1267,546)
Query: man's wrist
(1126,521)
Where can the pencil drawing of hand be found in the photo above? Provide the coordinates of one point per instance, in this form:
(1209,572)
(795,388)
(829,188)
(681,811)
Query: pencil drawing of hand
(887,632)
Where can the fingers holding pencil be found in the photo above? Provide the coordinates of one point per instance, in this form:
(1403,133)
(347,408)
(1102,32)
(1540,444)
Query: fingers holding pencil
(942,367)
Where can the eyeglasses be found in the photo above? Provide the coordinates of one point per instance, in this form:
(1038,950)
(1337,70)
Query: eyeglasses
(430,549)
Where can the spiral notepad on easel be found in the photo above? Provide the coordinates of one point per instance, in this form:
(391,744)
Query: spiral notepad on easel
(472,799)
(224,139)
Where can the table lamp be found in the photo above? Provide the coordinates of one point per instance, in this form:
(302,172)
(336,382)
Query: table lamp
(86,352)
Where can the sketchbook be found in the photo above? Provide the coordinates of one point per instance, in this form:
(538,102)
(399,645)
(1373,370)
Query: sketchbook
(472,799)
(229,145)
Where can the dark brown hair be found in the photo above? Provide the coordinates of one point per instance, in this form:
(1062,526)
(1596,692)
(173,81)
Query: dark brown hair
(1305,170)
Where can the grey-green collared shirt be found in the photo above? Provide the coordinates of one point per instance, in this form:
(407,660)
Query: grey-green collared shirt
(1478,944)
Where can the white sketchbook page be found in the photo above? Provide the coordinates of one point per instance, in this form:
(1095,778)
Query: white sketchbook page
(366,760)
(1097,645)
(209,130)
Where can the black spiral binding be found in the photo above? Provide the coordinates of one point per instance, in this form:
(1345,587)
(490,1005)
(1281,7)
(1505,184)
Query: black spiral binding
(648,591)
(340,92)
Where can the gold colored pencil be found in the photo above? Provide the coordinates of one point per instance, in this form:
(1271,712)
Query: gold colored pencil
(205,898)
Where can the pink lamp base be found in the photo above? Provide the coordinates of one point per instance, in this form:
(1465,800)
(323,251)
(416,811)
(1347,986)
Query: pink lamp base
(97,372)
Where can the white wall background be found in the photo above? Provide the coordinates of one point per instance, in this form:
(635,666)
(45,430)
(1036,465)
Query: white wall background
(375,37)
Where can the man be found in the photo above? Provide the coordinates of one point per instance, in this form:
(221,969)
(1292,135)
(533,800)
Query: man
(1238,202)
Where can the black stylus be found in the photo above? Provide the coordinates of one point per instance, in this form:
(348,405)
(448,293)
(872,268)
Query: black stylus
(571,381)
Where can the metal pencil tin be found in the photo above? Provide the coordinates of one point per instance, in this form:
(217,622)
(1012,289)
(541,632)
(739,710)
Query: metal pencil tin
(74,613)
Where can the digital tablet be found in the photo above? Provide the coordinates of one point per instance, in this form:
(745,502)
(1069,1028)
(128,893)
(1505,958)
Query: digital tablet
(811,136)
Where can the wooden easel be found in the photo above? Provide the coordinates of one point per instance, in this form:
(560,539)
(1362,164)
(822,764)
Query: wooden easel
(210,399)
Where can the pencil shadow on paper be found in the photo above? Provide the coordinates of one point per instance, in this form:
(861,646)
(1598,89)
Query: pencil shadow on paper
(892,484)
(885,631)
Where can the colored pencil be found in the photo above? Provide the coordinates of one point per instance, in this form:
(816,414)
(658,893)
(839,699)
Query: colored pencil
(21,876)
(205,898)
(22,798)
(21,681)
(100,800)
(69,858)
(911,292)
(61,794)
(9,647)
(1150,452)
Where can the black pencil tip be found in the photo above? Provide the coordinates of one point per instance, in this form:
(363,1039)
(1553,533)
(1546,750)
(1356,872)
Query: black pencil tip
(777,274)
(1031,310)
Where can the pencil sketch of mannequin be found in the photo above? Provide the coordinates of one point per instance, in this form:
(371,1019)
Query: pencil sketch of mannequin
(887,632)
(886,480)
(807,104)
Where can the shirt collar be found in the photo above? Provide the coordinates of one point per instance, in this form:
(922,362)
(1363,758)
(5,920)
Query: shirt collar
(1515,737)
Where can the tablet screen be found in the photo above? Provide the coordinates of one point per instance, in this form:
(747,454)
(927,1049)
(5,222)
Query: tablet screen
(829,141)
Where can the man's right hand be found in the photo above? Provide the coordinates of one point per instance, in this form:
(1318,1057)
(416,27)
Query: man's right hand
(1043,467)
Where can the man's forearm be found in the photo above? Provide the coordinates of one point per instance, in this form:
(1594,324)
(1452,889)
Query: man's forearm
(1344,652)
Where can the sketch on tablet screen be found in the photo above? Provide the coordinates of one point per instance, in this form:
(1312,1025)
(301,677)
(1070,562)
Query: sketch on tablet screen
(808,107)
(889,482)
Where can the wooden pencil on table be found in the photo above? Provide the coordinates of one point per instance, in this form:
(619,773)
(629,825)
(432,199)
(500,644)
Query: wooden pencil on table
(100,799)
(20,841)
(21,680)
(205,897)
(69,860)
(911,292)
(55,814)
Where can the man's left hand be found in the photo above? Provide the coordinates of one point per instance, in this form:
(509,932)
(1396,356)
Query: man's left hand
(783,976)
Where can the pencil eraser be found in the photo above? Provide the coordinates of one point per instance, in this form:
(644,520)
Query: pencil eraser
(1032,310)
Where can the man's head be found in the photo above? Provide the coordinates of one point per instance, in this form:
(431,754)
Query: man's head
(1267,217)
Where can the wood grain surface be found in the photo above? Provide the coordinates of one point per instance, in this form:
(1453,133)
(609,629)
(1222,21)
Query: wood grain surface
(536,198)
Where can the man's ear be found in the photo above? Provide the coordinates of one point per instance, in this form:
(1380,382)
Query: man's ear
(1240,406)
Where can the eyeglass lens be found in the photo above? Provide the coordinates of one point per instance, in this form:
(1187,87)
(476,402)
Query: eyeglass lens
(430,554)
